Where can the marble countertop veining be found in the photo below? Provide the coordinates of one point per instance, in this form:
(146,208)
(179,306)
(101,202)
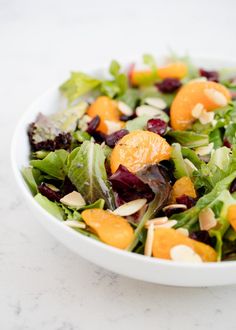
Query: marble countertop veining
(43,285)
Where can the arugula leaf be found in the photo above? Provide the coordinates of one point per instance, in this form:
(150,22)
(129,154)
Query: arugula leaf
(180,166)
(220,165)
(99,204)
(215,136)
(130,97)
(53,164)
(49,206)
(192,156)
(114,68)
(189,218)
(156,204)
(87,172)
(110,88)
(118,86)
(223,223)
(230,133)
(189,139)
(78,84)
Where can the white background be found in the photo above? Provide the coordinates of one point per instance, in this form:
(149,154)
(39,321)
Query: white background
(43,286)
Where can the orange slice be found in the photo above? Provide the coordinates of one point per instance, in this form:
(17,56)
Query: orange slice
(111,229)
(183,186)
(173,70)
(166,238)
(189,96)
(139,148)
(106,109)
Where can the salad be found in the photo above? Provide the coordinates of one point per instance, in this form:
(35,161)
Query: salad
(143,159)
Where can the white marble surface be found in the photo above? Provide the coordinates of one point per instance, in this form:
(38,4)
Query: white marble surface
(43,286)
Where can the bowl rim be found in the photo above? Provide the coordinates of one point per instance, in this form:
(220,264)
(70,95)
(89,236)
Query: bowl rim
(98,244)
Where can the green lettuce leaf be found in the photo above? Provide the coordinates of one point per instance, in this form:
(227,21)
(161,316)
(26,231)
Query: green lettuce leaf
(54,164)
(137,123)
(78,84)
(189,139)
(87,172)
(31,177)
(49,206)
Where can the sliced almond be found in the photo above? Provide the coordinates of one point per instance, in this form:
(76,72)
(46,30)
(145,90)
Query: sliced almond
(130,207)
(200,79)
(183,231)
(206,117)
(112,126)
(184,253)
(174,206)
(207,219)
(52,187)
(124,108)
(168,224)
(75,224)
(156,102)
(197,110)
(83,122)
(73,199)
(216,97)
(203,151)
(156,221)
(190,166)
(147,110)
(149,241)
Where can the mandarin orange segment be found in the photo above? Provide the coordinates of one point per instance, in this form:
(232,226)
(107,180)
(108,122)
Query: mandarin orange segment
(231,216)
(166,238)
(111,229)
(106,109)
(183,186)
(145,77)
(173,70)
(189,96)
(138,149)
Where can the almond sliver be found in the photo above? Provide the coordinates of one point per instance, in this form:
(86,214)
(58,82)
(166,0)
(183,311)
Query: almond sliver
(130,207)
(124,108)
(197,110)
(147,110)
(207,219)
(184,253)
(216,97)
(156,221)
(73,199)
(112,126)
(149,241)
(156,102)
(75,224)
(168,224)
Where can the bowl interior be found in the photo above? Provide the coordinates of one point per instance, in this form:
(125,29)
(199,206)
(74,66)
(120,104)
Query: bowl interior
(129,264)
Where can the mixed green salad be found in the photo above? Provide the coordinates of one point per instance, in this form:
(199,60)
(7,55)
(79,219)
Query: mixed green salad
(144,160)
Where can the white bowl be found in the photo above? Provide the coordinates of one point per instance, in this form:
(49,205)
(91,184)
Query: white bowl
(121,262)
